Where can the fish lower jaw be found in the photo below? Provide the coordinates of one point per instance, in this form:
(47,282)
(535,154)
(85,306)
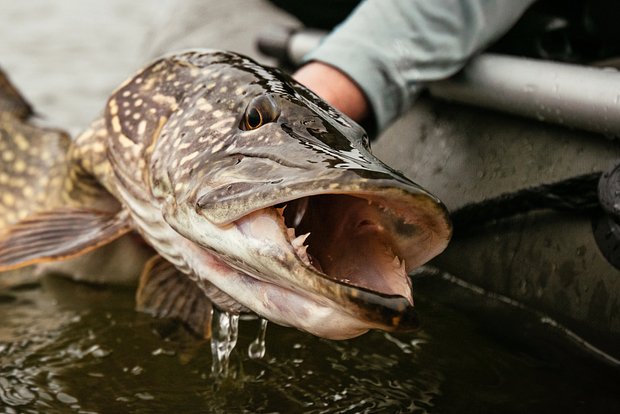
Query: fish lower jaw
(291,308)
(277,303)
(288,308)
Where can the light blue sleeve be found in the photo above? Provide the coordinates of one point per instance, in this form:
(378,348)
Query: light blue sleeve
(390,48)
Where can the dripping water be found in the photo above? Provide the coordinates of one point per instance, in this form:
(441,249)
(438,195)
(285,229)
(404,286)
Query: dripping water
(223,341)
(257,348)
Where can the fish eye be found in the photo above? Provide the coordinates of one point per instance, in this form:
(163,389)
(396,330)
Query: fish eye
(260,111)
(253,118)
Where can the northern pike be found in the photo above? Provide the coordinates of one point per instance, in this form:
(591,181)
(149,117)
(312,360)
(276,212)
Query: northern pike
(256,195)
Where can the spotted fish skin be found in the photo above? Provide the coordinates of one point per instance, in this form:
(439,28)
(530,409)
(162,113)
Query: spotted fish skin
(36,173)
(123,150)
(198,152)
(25,183)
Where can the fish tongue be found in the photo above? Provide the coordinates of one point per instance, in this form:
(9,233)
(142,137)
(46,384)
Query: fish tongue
(367,261)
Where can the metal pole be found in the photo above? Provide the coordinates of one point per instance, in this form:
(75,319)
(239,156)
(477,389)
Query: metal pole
(576,96)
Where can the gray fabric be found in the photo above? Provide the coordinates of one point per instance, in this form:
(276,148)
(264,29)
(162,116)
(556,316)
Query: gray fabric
(391,48)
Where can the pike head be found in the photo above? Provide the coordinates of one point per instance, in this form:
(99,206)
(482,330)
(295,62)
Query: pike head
(266,180)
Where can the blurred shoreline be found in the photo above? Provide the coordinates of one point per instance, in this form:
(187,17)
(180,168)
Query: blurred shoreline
(67,56)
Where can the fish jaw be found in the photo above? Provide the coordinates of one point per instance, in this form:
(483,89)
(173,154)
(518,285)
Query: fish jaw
(219,178)
(348,276)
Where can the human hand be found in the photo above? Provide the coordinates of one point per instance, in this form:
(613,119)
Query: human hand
(336,88)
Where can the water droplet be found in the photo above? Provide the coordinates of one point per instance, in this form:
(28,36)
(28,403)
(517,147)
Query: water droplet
(223,341)
(257,348)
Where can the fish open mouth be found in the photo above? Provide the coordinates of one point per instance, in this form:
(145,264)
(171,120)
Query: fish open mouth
(351,240)
(348,249)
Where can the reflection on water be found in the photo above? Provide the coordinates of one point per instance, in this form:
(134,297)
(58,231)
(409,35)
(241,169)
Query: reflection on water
(68,347)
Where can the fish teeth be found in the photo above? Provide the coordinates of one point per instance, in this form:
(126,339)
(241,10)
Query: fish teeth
(302,252)
(298,241)
(301,249)
(398,264)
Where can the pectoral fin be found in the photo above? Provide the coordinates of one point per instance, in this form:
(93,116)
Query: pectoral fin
(165,292)
(59,234)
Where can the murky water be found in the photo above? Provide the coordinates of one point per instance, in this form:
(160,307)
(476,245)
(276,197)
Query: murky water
(70,347)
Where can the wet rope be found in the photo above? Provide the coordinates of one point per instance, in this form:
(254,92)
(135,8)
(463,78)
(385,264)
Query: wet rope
(596,193)
(578,193)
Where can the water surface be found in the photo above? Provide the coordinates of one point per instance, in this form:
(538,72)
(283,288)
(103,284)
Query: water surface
(71,347)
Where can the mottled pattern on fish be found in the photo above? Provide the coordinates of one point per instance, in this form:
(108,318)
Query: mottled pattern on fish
(146,114)
(35,173)
(243,181)
(24,183)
